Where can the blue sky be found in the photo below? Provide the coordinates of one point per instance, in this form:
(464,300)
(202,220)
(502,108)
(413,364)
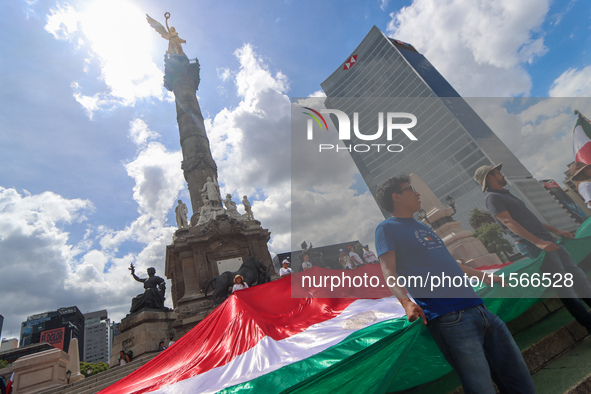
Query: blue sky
(89,144)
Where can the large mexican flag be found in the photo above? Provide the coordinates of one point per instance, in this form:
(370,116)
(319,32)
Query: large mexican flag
(265,341)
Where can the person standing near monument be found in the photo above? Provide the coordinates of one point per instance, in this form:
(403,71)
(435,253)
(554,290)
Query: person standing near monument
(369,256)
(285,270)
(306,264)
(181,215)
(239,283)
(123,358)
(355,257)
(474,341)
(532,237)
(345,260)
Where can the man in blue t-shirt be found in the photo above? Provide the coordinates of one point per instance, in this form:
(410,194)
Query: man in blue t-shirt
(532,237)
(474,341)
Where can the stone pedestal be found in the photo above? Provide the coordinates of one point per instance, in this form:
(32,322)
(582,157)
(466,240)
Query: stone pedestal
(460,242)
(40,371)
(141,333)
(191,261)
(462,245)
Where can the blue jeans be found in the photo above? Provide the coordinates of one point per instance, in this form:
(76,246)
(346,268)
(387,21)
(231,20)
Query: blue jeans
(479,347)
(560,261)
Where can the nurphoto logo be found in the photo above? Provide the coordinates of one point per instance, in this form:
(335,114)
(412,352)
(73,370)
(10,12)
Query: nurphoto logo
(393,125)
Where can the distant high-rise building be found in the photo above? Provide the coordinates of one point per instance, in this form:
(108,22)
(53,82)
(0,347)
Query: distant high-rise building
(8,344)
(97,337)
(452,140)
(56,328)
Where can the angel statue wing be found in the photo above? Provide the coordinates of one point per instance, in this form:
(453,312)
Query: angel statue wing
(174,41)
(158,27)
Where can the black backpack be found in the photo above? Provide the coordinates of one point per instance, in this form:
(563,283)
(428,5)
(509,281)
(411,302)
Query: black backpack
(130,355)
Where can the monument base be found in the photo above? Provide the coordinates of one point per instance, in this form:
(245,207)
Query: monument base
(462,245)
(141,333)
(203,252)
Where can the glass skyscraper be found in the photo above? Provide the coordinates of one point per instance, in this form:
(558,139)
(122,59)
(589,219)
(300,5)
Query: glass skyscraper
(384,74)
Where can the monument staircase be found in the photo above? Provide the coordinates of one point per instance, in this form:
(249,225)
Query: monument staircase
(95,383)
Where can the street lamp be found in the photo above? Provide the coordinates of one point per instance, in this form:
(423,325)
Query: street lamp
(423,216)
(452,203)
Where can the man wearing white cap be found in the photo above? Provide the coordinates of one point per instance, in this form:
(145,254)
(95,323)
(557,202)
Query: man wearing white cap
(285,270)
(531,237)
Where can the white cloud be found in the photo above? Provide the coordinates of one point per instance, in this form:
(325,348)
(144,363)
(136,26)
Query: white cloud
(50,270)
(478,46)
(62,22)
(140,133)
(117,37)
(224,74)
(318,93)
(572,83)
(253,149)
(36,251)
(537,131)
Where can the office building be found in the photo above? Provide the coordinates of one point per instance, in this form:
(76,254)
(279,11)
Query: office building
(55,328)
(8,344)
(97,337)
(387,75)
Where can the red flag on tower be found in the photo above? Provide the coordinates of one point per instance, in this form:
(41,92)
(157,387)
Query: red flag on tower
(582,139)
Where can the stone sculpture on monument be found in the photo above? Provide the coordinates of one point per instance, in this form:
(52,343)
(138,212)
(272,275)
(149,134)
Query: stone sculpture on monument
(247,208)
(174,41)
(153,297)
(181,215)
(216,239)
(231,207)
(148,320)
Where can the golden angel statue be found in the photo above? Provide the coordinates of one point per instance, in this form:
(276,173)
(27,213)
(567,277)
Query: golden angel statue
(170,34)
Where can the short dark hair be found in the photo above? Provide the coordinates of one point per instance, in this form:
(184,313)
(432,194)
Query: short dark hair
(386,189)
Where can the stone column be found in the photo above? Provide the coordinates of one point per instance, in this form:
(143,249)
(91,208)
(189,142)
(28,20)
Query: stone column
(182,77)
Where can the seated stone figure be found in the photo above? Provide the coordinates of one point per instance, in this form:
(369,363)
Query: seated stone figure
(153,297)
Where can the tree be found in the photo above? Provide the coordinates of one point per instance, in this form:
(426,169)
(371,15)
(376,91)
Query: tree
(491,235)
(4,364)
(478,218)
(94,368)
